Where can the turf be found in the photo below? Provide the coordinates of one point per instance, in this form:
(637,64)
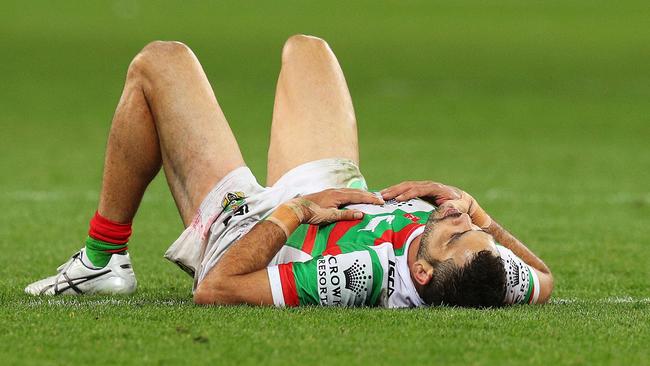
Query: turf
(540,109)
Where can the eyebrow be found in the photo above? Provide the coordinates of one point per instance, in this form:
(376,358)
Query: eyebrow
(458,235)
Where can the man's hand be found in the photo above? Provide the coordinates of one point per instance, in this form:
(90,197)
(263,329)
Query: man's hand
(323,207)
(320,208)
(432,192)
(439,194)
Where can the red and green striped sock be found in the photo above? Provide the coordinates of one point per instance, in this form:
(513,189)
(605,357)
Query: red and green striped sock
(106,238)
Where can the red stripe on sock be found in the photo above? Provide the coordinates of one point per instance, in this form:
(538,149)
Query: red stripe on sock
(114,251)
(109,231)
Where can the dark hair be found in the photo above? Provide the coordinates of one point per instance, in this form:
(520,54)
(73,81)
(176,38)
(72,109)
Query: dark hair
(481,283)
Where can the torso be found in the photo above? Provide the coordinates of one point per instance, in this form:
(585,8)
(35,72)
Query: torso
(360,262)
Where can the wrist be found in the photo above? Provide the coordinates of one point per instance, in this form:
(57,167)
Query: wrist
(302,207)
(482,219)
(479,217)
(289,216)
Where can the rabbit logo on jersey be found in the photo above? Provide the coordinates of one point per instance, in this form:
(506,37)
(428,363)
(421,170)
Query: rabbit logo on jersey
(345,279)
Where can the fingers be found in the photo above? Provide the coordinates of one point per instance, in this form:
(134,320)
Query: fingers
(349,195)
(414,192)
(333,215)
(410,194)
(424,189)
(330,215)
(394,191)
(347,215)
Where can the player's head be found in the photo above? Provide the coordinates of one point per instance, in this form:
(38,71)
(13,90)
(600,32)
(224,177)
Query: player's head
(458,263)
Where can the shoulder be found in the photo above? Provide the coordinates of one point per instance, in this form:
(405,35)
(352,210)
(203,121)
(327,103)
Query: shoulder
(523,285)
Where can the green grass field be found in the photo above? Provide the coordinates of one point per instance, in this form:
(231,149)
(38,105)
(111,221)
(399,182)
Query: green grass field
(540,109)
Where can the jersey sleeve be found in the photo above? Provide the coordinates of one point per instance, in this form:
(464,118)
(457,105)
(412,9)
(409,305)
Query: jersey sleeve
(350,279)
(522,283)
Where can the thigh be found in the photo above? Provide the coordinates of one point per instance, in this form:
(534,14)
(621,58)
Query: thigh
(313,117)
(197,145)
(231,208)
(319,175)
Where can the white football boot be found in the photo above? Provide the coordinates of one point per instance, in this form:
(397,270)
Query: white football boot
(74,278)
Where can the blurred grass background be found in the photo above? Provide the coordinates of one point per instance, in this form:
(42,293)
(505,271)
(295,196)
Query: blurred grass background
(538,108)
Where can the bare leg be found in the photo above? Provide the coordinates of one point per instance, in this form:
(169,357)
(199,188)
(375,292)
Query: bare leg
(169,116)
(132,155)
(168,112)
(313,117)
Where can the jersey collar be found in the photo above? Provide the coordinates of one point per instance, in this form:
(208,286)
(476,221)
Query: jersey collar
(410,294)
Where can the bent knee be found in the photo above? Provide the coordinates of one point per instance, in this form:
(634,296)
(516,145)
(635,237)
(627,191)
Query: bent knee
(166,48)
(300,44)
(160,54)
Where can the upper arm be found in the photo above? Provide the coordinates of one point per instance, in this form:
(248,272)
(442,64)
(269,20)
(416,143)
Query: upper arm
(252,288)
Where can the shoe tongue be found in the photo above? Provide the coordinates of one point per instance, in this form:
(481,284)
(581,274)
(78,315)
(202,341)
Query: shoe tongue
(64,265)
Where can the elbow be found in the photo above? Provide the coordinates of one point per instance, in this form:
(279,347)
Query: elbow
(547,284)
(551,286)
(203,296)
(210,293)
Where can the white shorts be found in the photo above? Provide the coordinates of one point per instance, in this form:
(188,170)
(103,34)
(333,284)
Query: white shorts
(238,202)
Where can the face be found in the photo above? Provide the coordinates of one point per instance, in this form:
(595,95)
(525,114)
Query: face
(450,234)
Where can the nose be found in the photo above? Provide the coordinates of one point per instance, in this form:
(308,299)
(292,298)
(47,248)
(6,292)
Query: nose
(463,221)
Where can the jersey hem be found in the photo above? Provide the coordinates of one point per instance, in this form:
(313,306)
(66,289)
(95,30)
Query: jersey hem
(276,286)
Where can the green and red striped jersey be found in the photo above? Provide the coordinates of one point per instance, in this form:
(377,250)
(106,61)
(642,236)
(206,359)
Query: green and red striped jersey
(352,263)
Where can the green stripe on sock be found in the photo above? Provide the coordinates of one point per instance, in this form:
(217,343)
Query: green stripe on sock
(98,251)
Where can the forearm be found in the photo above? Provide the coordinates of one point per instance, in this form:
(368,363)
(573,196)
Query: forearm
(240,276)
(503,237)
(247,255)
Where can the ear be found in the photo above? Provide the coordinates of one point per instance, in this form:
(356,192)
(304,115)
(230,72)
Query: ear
(422,272)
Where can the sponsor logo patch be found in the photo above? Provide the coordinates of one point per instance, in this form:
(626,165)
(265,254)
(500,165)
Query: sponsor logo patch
(391,277)
(345,279)
(234,202)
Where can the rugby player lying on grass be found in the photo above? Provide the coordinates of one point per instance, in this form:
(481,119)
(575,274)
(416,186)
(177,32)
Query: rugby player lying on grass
(289,243)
